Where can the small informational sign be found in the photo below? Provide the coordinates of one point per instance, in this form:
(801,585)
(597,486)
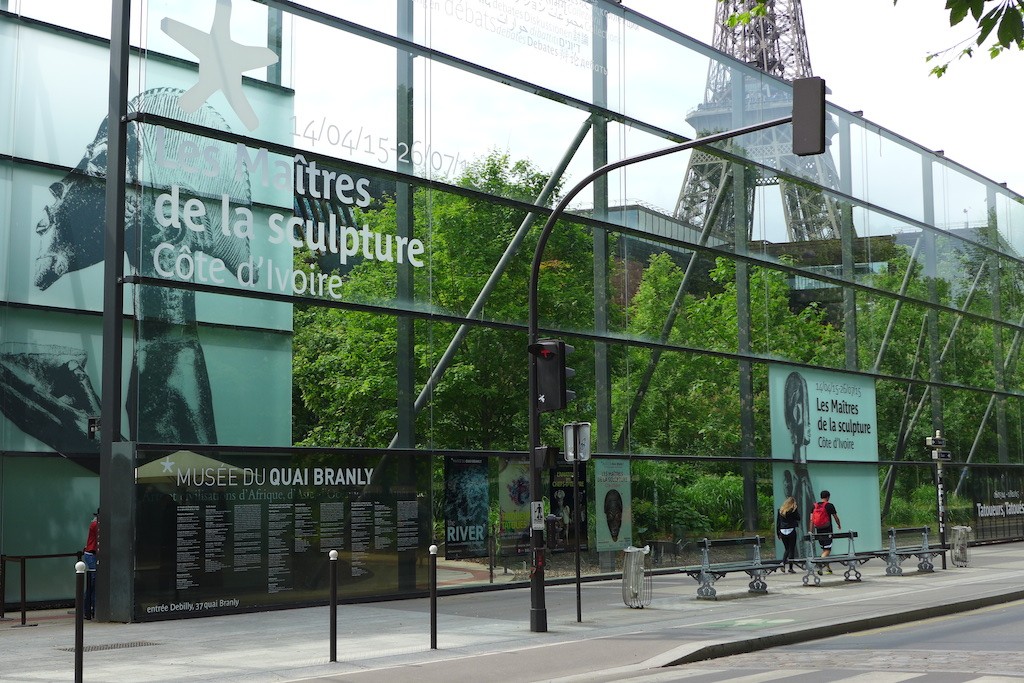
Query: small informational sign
(537,515)
(576,436)
(583,442)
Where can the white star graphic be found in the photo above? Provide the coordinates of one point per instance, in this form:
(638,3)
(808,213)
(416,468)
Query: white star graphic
(167,463)
(222,62)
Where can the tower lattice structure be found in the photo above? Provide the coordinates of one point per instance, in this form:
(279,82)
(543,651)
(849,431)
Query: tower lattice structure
(776,44)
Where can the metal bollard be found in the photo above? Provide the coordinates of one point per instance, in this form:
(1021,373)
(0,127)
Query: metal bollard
(334,604)
(433,597)
(79,617)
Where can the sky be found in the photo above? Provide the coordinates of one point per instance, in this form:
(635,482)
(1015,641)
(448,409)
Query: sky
(872,57)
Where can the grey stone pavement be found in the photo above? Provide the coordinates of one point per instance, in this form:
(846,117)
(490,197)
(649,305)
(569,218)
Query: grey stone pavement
(486,636)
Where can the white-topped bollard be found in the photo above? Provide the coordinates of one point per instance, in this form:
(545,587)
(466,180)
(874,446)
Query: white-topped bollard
(433,596)
(333,556)
(80,570)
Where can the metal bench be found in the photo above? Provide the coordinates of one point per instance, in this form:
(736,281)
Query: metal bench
(708,572)
(851,559)
(897,553)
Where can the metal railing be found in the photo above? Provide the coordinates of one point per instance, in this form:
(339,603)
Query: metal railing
(21,560)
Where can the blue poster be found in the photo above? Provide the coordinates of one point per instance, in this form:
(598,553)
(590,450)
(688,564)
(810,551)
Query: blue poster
(823,424)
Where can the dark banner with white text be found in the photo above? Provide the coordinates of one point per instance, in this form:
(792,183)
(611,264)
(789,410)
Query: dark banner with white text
(221,533)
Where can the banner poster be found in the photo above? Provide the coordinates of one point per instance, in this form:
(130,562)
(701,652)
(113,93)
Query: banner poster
(514,505)
(613,503)
(823,424)
(467,504)
(563,507)
(996,496)
(220,534)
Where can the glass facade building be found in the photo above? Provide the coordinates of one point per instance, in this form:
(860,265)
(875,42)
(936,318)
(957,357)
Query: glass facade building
(320,282)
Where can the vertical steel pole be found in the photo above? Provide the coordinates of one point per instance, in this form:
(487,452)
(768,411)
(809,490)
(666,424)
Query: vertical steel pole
(576,515)
(538,610)
(114,597)
(334,605)
(24,606)
(491,552)
(433,597)
(79,617)
(942,508)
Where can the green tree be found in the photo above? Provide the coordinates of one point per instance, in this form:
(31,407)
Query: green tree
(344,367)
(692,405)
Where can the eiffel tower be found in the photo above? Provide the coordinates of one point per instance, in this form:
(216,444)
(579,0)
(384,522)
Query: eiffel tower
(775,43)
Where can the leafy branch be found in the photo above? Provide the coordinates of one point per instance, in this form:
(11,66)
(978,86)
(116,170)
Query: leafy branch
(1006,18)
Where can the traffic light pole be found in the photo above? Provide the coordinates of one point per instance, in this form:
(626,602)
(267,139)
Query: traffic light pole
(538,610)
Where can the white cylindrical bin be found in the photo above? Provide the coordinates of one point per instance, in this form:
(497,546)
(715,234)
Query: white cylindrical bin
(960,547)
(636,580)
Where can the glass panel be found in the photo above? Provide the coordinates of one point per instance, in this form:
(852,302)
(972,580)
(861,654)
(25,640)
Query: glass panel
(370,13)
(664,420)
(1009,213)
(76,80)
(248,25)
(479,376)
(961,207)
(886,172)
(891,335)
(50,363)
(10,35)
(967,355)
(550,44)
(191,380)
(92,20)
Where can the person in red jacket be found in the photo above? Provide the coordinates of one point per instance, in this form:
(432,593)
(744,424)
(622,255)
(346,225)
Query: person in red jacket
(92,547)
(821,524)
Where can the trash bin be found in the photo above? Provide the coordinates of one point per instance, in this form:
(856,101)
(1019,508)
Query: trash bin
(960,549)
(636,579)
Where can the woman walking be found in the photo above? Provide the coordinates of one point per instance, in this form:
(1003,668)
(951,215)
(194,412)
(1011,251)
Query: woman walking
(786,524)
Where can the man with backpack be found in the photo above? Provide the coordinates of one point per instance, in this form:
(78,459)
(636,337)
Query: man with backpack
(821,524)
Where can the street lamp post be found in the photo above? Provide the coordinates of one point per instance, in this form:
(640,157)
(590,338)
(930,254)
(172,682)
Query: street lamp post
(809,115)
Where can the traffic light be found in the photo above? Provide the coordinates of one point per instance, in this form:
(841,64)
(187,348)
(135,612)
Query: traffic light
(552,393)
(808,116)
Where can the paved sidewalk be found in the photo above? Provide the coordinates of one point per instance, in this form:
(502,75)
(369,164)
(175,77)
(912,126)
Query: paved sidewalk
(486,636)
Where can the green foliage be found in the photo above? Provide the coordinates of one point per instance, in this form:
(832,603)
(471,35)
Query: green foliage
(1003,22)
(645,518)
(959,511)
(766,508)
(672,501)
(924,497)
(344,361)
(719,500)
(708,320)
(901,514)
(920,508)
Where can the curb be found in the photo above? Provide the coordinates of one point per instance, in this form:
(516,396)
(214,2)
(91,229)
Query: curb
(736,647)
